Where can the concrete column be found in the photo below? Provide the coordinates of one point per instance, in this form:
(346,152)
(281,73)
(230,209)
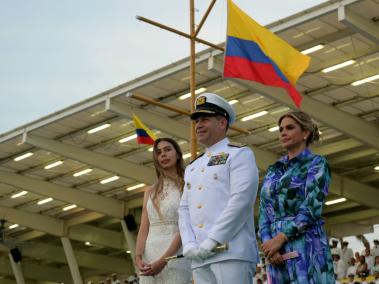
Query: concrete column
(130,241)
(71,259)
(16,267)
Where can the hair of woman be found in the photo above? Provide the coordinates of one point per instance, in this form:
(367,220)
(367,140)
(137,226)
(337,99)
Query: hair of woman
(306,123)
(162,174)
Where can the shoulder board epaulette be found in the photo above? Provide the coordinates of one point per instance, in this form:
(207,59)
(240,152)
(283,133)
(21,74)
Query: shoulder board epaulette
(236,144)
(196,158)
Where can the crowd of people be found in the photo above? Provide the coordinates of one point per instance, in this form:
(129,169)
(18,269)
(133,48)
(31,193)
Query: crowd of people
(346,264)
(204,211)
(113,279)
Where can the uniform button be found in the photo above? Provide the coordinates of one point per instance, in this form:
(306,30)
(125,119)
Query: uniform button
(202,170)
(215,176)
(199,206)
(200,187)
(188,186)
(200,225)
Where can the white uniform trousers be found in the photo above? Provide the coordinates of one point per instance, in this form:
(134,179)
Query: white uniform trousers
(225,272)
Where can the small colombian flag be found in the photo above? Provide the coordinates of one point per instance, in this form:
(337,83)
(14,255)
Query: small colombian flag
(255,53)
(144,134)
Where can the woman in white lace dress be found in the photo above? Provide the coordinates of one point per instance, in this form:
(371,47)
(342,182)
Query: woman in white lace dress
(158,236)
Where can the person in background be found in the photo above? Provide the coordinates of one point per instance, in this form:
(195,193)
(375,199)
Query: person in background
(346,253)
(375,268)
(292,197)
(115,280)
(369,259)
(258,273)
(375,248)
(158,236)
(366,244)
(350,279)
(334,249)
(352,267)
(357,258)
(362,269)
(339,266)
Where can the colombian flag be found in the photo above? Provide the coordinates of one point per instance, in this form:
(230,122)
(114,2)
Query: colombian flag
(255,53)
(144,134)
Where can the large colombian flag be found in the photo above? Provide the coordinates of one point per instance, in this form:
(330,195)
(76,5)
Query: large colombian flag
(255,53)
(144,134)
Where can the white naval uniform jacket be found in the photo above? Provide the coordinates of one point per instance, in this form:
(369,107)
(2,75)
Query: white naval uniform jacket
(218,202)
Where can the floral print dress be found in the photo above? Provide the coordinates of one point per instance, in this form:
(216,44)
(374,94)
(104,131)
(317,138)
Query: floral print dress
(292,197)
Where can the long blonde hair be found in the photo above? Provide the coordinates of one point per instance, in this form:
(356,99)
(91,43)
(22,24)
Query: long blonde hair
(178,179)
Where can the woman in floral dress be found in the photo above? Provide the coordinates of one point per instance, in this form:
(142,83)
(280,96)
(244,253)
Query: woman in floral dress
(291,202)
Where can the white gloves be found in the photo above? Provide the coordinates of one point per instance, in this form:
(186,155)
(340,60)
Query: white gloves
(191,251)
(205,248)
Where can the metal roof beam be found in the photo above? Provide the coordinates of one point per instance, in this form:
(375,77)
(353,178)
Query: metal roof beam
(356,55)
(59,228)
(355,127)
(355,191)
(370,178)
(339,206)
(348,229)
(108,206)
(352,217)
(352,156)
(359,24)
(84,259)
(101,161)
(38,272)
(332,148)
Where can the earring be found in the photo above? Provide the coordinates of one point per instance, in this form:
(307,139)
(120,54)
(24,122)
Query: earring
(305,138)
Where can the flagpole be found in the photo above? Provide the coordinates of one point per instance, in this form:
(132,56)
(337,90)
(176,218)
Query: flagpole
(203,21)
(192,79)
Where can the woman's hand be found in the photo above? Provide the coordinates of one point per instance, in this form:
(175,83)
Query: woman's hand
(276,259)
(155,267)
(272,246)
(142,266)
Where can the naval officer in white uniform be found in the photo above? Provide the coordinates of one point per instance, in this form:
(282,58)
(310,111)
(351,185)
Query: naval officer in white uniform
(218,198)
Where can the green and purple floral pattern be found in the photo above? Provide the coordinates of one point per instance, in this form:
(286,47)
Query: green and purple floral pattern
(291,201)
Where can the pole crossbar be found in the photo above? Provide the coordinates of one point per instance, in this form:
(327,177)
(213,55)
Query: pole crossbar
(176,109)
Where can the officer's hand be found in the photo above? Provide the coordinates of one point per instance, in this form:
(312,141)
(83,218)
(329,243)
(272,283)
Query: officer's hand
(206,247)
(191,251)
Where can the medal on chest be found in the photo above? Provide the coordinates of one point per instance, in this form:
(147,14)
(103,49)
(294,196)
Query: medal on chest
(218,159)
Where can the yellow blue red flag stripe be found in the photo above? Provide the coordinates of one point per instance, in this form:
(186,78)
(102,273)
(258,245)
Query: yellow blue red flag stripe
(255,53)
(144,134)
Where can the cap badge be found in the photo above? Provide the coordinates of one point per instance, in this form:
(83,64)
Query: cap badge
(201,100)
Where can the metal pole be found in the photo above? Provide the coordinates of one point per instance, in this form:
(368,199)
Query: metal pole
(192,79)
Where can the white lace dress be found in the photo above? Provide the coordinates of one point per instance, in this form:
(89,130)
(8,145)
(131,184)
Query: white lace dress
(161,234)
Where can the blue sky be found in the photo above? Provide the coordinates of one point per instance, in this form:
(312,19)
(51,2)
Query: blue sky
(57,53)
